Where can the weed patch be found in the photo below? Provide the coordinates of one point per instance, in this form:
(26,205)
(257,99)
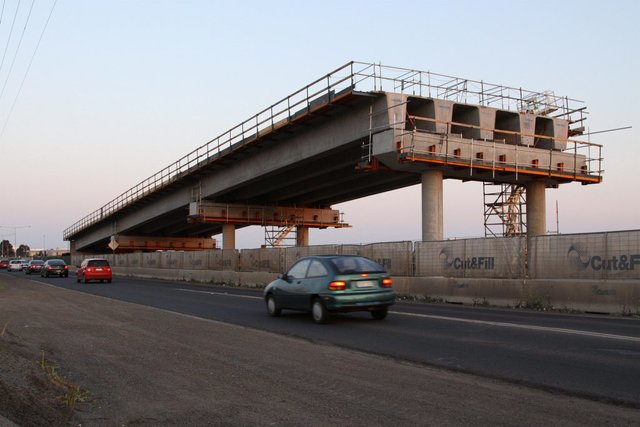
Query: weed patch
(538,304)
(73,394)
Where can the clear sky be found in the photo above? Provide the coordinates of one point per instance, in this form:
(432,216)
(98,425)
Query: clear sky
(117,90)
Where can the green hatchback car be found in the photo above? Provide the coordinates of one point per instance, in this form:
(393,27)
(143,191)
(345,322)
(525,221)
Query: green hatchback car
(332,283)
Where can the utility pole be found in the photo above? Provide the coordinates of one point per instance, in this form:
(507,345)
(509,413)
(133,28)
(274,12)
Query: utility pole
(15,234)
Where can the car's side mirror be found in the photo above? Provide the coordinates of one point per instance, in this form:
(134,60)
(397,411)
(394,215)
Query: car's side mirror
(284,277)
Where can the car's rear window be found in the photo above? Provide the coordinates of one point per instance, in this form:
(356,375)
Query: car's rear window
(98,263)
(56,262)
(351,265)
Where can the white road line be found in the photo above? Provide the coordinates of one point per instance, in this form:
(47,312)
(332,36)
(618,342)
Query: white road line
(458,319)
(520,326)
(225,294)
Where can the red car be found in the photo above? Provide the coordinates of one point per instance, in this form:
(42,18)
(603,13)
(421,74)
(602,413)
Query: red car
(94,269)
(4,263)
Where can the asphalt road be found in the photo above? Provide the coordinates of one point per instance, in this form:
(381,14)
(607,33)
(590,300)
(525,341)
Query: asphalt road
(579,355)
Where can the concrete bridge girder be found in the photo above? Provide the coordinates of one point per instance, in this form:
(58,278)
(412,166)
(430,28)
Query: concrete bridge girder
(314,163)
(305,148)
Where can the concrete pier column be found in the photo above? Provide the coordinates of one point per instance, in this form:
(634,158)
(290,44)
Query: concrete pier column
(536,209)
(432,216)
(302,236)
(228,236)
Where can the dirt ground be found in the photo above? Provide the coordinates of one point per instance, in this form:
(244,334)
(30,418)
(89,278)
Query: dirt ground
(69,358)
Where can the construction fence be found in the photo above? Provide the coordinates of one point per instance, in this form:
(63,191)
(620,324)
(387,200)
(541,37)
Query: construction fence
(593,256)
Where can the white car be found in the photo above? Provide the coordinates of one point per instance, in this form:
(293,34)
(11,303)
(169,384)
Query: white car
(15,265)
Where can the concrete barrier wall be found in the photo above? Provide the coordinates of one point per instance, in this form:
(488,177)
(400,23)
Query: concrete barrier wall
(395,257)
(196,260)
(292,254)
(502,258)
(593,256)
(596,256)
(268,260)
(589,272)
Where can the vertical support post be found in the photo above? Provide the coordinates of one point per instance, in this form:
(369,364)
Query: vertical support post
(536,209)
(302,235)
(228,236)
(432,212)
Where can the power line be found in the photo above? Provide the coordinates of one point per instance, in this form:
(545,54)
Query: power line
(15,55)
(2,13)
(10,35)
(46,24)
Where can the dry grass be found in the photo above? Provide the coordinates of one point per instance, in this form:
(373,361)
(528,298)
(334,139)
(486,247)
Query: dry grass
(73,393)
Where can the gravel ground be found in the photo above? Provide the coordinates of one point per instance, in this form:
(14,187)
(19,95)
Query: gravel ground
(126,364)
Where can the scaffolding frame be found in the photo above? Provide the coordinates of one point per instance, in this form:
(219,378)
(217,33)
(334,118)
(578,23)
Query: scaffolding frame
(505,208)
(280,236)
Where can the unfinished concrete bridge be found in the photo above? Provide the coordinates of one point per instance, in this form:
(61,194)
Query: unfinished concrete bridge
(360,130)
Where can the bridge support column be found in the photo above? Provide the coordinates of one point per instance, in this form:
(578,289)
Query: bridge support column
(302,235)
(228,236)
(432,215)
(536,209)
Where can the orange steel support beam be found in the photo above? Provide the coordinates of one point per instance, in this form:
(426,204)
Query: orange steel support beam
(151,243)
(281,216)
(280,223)
(585,179)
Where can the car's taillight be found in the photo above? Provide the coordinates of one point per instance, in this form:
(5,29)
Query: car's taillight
(387,283)
(337,286)
(66,267)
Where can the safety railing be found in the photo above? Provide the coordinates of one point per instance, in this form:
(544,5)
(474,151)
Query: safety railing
(586,165)
(364,77)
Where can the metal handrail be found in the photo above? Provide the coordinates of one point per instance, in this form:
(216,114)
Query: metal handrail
(351,76)
(574,146)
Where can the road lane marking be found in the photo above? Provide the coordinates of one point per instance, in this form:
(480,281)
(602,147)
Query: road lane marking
(225,294)
(520,326)
(458,319)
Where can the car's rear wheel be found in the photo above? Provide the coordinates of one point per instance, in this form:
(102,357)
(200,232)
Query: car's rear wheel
(319,312)
(380,313)
(108,280)
(272,306)
(86,280)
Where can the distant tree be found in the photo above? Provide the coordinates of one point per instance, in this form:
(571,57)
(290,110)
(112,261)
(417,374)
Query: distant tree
(23,250)
(6,249)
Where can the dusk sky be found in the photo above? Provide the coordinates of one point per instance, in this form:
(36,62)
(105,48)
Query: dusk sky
(117,90)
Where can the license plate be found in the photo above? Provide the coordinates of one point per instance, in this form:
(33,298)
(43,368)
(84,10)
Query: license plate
(98,269)
(365,284)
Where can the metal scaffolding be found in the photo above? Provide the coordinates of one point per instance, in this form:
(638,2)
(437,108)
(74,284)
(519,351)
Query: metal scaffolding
(504,210)
(280,237)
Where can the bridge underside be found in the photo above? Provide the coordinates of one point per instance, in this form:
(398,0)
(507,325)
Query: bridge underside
(309,163)
(350,146)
